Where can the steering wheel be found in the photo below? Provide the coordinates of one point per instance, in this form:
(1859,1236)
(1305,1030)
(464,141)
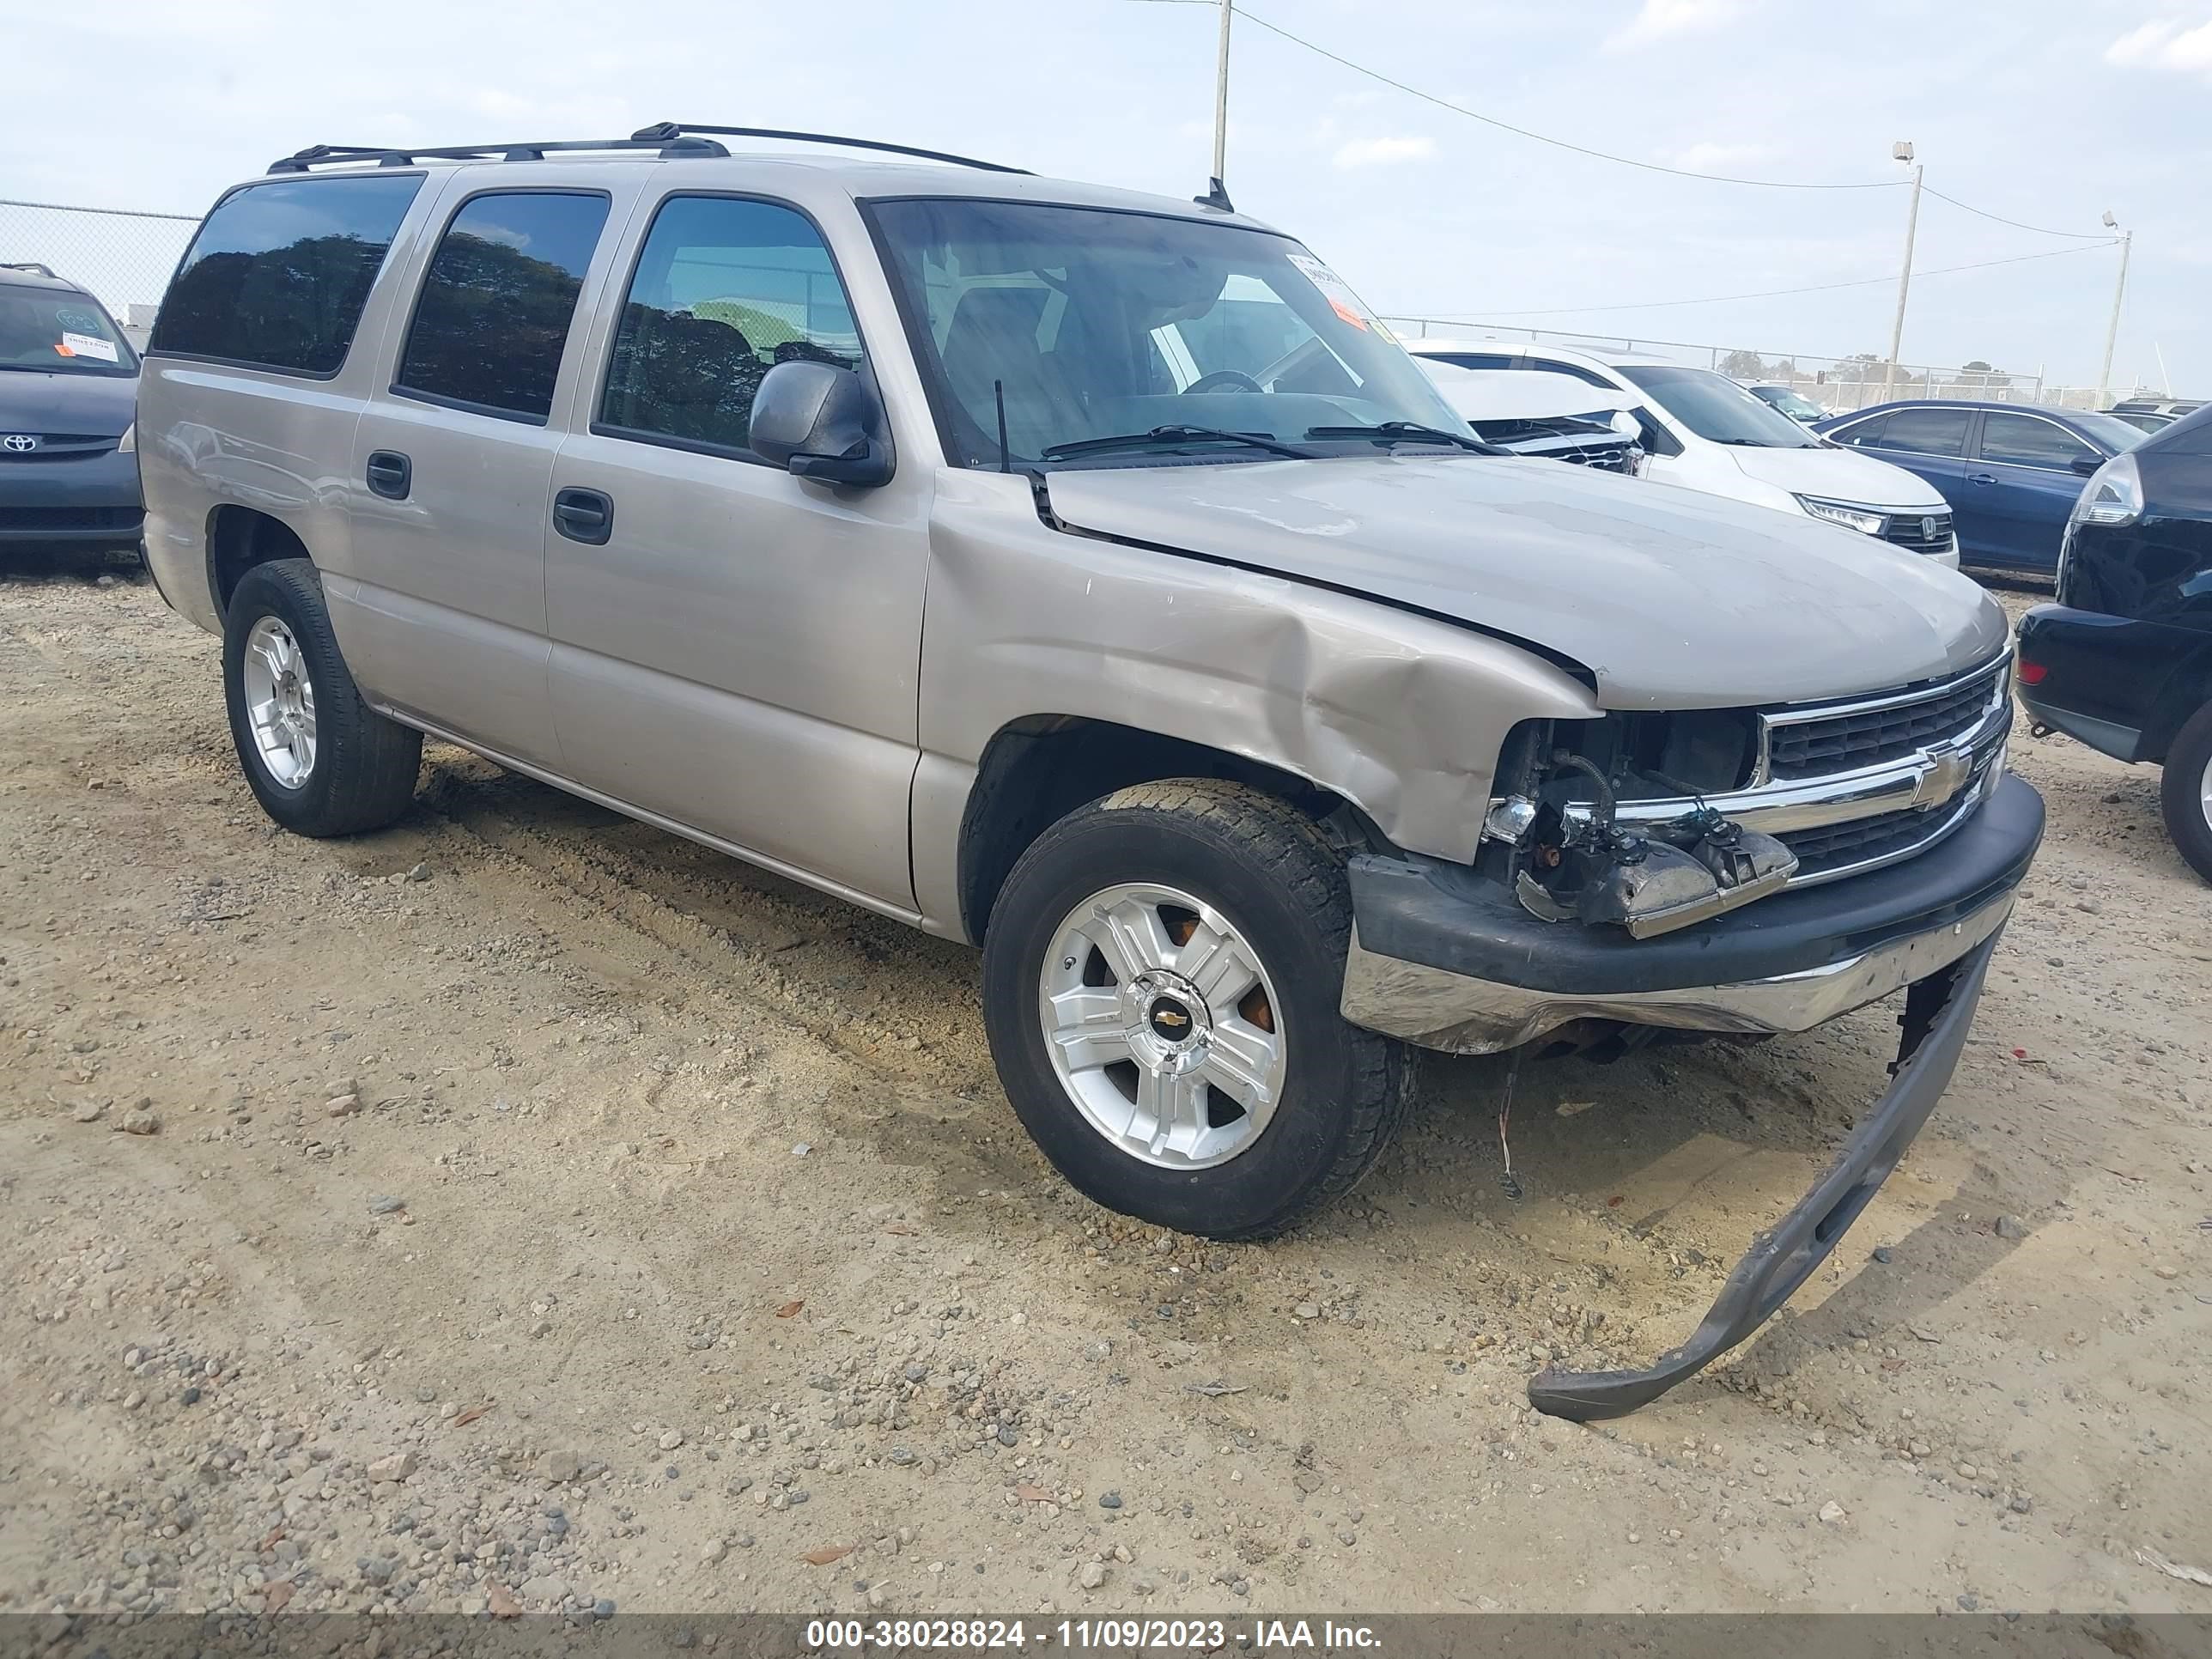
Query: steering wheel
(1224,379)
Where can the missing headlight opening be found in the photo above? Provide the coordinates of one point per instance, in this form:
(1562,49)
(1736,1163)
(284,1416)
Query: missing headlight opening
(1574,860)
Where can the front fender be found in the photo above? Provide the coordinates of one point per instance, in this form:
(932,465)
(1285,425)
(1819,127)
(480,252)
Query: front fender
(1399,712)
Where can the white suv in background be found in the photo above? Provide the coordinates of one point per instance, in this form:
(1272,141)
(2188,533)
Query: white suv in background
(1703,431)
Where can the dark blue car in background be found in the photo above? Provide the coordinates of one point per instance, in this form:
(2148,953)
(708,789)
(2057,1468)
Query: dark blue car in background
(2011,473)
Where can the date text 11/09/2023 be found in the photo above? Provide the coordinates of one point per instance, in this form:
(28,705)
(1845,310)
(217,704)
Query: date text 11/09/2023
(1090,1635)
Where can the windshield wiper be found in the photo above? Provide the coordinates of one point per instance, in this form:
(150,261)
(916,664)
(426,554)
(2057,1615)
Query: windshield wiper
(1404,432)
(1169,434)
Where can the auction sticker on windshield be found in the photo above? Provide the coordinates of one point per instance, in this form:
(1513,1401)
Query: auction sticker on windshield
(86,345)
(1334,289)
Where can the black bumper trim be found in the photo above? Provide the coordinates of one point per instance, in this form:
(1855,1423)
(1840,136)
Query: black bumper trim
(1444,916)
(1938,1011)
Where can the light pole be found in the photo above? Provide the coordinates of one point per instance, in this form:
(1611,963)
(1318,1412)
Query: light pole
(1221,99)
(2120,293)
(1902,151)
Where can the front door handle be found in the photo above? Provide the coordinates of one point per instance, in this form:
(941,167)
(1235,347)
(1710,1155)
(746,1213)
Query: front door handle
(390,474)
(584,515)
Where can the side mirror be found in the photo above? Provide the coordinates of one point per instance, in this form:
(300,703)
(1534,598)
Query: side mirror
(2085,464)
(818,420)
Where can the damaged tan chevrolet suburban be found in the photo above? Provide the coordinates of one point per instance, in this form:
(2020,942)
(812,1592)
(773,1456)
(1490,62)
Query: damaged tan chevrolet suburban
(1089,576)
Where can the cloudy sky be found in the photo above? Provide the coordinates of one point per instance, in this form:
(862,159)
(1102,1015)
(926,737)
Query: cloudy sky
(2048,112)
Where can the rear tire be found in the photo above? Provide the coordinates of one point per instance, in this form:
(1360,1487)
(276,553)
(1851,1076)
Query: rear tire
(1232,1102)
(320,759)
(2185,792)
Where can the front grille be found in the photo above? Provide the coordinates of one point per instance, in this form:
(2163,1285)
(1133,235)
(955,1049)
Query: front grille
(1869,734)
(1919,532)
(1837,848)
(59,446)
(71,518)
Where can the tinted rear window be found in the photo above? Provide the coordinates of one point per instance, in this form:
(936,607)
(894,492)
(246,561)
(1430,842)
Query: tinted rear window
(497,300)
(1927,431)
(278,275)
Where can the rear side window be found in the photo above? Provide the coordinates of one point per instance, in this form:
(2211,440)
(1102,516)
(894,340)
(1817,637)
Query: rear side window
(2027,440)
(493,317)
(278,274)
(725,289)
(1927,431)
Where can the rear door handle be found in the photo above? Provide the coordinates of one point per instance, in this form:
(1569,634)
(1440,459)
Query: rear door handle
(390,474)
(1981,477)
(584,515)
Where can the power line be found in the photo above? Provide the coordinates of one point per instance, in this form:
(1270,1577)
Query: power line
(1764,294)
(1545,138)
(1628,160)
(2078,235)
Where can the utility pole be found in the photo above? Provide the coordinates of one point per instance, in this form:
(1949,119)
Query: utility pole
(2120,293)
(1902,151)
(1221,97)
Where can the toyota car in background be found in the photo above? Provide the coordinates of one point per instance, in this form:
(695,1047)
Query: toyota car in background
(2122,661)
(1554,417)
(68,382)
(1704,432)
(2012,474)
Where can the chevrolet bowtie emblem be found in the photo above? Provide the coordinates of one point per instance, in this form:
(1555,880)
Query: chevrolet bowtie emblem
(1948,772)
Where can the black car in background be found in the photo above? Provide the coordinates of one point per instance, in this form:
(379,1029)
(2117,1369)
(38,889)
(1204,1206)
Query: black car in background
(2124,661)
(68,384)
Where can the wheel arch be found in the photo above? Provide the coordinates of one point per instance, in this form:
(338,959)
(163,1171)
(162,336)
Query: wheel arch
(2187,689)
(1037,768)
(239,537)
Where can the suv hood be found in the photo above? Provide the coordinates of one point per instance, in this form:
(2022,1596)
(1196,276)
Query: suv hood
(1839,475)
(1670,598)
(96,405)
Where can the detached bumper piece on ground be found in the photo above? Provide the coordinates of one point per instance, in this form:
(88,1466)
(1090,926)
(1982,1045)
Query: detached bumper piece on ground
(1938,1011)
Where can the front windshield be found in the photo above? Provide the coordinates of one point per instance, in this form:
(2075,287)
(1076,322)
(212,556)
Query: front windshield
(60,332)
(1094,324)
(1796,408)
(1716,408)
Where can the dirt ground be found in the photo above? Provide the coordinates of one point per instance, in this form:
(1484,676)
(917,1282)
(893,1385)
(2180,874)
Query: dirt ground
(676,1251)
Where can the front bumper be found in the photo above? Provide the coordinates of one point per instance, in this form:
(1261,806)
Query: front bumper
(1938,1013)
(90,500)
(1446,960)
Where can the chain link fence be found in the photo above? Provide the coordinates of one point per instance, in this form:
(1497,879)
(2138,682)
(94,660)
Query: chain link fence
(1838,384)
(123,257)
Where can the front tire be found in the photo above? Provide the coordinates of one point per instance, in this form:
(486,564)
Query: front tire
(2185,792)
(1162,972)
(320,759)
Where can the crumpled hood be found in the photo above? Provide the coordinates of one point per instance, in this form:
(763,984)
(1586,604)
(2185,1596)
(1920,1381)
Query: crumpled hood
(1839,475)
(96,405)
(1671,598)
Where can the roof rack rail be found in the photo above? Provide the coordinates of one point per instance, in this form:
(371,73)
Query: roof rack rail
(672,131)
(670,147)
(31,265)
